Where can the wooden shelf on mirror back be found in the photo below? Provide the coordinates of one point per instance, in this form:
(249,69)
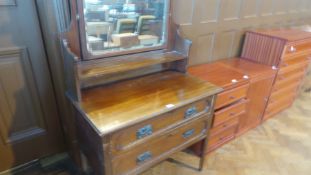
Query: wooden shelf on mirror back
(289,52)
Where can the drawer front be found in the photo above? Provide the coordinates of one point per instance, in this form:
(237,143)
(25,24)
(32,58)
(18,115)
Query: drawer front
(221,138)
(231,96)
(129,137)
(272,105)
(146,155)
(277,107)
(297,49)
(228,113)
(288,80)
(294,60)
(302,65)
(283,76)
(277,95)
(224,126)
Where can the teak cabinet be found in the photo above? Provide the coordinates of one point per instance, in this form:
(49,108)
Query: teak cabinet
(288,51)
(261,78)
(134,103)
(230,105)
(241,106)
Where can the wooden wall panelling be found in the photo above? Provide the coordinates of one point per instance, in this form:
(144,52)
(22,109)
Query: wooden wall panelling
(20,107)
(217,27)
(7,2)
(28,106)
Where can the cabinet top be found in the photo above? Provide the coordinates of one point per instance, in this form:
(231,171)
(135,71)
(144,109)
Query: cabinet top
(290,35)
(219,74)
(121,104)
(249,68)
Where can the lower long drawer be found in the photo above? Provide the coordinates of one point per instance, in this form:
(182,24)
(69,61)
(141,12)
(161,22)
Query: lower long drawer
(145,155)
(291,90)
(283,82)
(278,106)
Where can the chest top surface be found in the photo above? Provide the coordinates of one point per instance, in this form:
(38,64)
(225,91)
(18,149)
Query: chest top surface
(122,104)
(290,35)
(219,74)
(249,68)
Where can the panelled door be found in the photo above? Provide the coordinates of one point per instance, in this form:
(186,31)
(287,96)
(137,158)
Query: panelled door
(29,122)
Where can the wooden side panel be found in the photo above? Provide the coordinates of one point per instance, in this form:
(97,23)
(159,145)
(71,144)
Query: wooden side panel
(258,95)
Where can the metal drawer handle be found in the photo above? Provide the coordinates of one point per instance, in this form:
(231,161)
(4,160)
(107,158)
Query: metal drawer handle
(232,97)
(144,131)
(285,65)
(293,49)
(144,157)
(190,112)
(188,134)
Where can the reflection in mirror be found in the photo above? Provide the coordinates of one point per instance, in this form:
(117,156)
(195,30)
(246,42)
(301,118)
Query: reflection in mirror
(125,25)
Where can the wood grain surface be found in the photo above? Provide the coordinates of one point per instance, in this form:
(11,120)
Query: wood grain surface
(125,103)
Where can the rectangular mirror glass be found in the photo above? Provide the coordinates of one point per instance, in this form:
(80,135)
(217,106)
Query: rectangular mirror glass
(125,26)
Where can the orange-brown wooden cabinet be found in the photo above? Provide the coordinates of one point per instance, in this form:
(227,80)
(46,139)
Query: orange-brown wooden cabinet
(288,52)
(230,105)
(261,78)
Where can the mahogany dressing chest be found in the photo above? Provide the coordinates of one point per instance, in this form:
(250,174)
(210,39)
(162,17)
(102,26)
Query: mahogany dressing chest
(126,78)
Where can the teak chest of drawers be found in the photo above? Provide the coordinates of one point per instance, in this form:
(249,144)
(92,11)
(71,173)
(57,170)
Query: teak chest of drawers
(127,127)
(261,78)
(242,105)
(230,105)
(288,51)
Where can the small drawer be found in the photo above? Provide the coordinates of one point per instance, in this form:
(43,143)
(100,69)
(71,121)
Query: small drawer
(284,82)
(230,96)
(299,48)
(274,108)
(160,147)
(224,126)
(230,112)
(219,139)
(129,137)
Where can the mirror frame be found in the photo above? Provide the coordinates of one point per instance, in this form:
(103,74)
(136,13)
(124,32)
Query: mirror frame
(89,56)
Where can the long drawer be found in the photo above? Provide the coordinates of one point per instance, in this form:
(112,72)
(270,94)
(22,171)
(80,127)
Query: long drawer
(228,113)
(136,134)
(296,64)
(298,48)
(231,96)
(288,74)
(294,60)
(137,158)
(285,91)
(288,80)
(276,107)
